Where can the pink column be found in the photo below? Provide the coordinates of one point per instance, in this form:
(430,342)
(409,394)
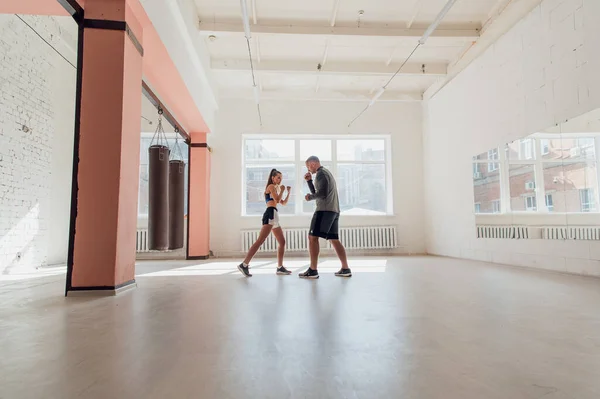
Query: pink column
(103,257)
(199,199)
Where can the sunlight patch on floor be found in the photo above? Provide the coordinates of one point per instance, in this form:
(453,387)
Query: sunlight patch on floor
(217,268)
(32,274)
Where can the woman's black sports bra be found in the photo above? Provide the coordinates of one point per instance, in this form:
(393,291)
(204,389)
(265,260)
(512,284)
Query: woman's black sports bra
(268,198)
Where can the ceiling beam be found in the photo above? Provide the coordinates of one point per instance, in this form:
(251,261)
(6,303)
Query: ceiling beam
(321,95)
(235,28)
(332,68)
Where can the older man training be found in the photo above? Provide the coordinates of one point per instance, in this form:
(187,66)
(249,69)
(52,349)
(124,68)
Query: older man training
(325,220)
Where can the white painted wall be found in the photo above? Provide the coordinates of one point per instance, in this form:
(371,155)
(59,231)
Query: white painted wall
(64,85)
(37,90)
(237,116)
(542,72)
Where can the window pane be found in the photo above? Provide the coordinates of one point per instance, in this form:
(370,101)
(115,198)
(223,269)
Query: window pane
(256,182)
(320,148)
(581,186)
(573,186)
(491,155)
(551,148)
(310,206)
(362,189)
(143,191)
(496,206)
(144,145)
(550,202)
(488,155)
(578,148)
(269,150)
(554,187)
(522,188)
(486,188)
(521,150)
(361,150)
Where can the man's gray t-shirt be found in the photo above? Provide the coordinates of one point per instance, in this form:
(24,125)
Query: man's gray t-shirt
(324,191)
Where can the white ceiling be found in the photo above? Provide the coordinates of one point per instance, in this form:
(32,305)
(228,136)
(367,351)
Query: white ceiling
(291,38)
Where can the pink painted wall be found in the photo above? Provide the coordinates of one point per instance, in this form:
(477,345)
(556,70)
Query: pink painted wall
(109,157)
(99,152)
(130,163)
(164,79)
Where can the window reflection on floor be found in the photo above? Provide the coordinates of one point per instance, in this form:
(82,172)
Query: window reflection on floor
(358,265)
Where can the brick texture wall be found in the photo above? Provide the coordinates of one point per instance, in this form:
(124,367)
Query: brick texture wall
(27,124)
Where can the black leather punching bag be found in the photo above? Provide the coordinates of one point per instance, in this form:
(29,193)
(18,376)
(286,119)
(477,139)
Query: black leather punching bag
(176,203)
(158,198)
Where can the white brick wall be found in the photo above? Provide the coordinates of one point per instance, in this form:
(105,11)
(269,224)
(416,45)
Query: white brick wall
(27,127)
(542,72)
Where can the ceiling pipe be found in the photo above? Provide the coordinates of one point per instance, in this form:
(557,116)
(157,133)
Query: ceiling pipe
(245,19)
(421,42)
(247,33)
(437,21)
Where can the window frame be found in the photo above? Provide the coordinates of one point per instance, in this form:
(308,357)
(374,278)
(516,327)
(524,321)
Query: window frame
(544,149)
(526,150)
(587,206)
(493,166)
(496,206)
(550,207)
(530,207)
(301,168)
(538,161)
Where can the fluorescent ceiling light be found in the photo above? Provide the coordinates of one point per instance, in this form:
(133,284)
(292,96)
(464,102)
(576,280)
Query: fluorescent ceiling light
(377,95)
(436,22)
(245,19)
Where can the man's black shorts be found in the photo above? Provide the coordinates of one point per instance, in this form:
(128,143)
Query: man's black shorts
(324,224)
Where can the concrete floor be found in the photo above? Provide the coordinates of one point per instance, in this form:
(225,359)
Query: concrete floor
(400,328)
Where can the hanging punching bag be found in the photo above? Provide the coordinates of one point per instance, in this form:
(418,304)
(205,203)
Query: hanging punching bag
(158,198)
(176,203)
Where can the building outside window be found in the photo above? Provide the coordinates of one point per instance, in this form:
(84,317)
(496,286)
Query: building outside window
(542,173)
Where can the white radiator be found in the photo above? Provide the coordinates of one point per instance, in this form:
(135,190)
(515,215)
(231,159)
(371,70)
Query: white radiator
(508,232)
(375,237)
(571,233)
(141,240)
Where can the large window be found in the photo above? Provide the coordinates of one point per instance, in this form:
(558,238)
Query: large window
(541,173)
(359,164)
